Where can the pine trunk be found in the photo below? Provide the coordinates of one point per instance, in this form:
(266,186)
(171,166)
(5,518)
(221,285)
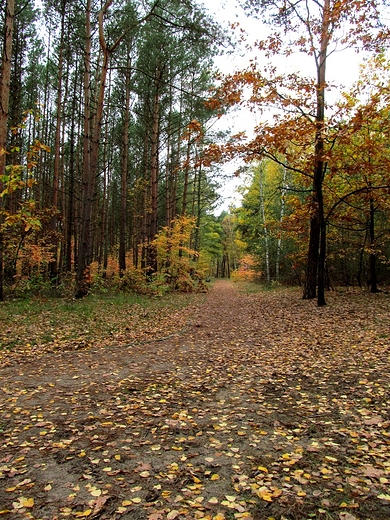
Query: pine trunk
(5,75)
(124,168)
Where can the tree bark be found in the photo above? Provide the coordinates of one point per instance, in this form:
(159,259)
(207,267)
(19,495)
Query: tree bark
(57,149)
(82,282)
(124,168)
(372,259)
(262,212)
(315,270)
(282,208)
(5,75)
(154,158)
(91,148)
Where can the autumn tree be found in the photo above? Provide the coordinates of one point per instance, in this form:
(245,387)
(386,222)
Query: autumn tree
(358,183)
(299,128)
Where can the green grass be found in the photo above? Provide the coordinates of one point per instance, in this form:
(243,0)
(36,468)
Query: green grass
(38,321)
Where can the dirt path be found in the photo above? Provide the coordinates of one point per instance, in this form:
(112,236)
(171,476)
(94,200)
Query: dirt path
(250,411)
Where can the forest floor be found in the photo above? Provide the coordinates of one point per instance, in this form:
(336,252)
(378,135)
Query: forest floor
(256,406)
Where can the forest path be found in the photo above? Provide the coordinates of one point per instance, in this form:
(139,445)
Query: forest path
(252,410)
(222,318)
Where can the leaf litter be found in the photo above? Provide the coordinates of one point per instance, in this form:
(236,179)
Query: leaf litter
(257,406)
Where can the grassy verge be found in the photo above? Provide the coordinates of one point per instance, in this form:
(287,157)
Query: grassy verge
(52,324)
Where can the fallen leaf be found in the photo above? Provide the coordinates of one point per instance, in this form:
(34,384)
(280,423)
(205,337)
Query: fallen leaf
(83,514)
(384,497)
(26,502)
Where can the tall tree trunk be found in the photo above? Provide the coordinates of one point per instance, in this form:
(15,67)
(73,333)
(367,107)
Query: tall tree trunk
(69,224)
(265,228)
(91,147)
(282,209)
(372,259)
(169,168)
(186,176)
(154,174)
(5,75)
(124,172)
(198,210)
(57,149)
(154,160)
(317,241)
(82,283)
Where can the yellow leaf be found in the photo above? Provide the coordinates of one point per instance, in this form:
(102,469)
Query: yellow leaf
(215,476)
(117,457)
(173,514)
(384,497)
(262,468)
(219,516)
(264,495)
(83,514)
(26,502)
(96,492)
(136,500)
(213,500)
(126,503)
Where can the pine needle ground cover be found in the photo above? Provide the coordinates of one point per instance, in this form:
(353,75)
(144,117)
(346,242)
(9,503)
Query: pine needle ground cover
(238,405)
